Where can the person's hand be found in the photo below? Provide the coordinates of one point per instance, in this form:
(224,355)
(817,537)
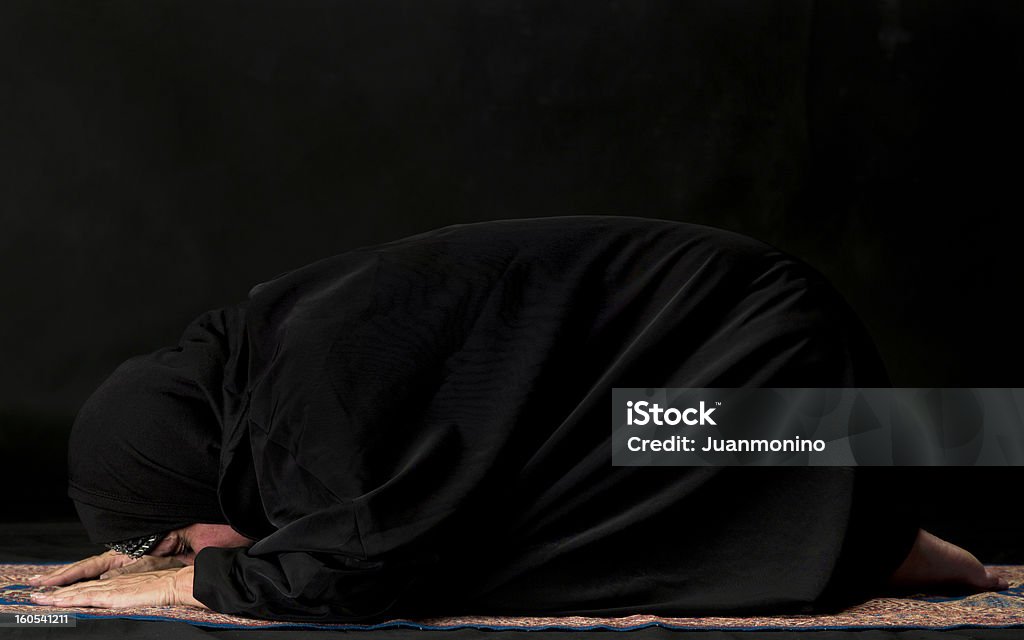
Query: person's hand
(104,565)
(149,589)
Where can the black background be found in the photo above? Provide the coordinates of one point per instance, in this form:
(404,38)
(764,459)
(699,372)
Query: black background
(159,158)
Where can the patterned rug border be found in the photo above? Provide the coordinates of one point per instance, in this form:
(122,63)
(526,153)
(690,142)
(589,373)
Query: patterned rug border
(1013,621)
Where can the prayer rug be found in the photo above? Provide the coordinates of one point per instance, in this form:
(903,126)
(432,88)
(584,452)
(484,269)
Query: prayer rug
(983,610)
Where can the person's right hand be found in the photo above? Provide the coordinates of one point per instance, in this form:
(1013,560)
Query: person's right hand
(103,566)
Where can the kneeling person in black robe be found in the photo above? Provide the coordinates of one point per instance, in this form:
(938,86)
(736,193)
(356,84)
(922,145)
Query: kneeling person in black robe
(420,428)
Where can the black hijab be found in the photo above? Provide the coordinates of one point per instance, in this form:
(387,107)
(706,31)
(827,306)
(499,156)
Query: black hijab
(144,452)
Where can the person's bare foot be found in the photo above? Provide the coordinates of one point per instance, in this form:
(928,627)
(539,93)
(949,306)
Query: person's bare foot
(936,565)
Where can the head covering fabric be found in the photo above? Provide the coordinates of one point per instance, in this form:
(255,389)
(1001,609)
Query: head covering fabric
(144,450)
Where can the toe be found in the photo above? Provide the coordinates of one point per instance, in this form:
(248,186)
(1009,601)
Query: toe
(995,581)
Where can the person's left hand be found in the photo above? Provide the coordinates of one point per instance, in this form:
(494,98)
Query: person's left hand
(148,589)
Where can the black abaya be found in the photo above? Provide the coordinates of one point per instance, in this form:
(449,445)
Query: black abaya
(421,428)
